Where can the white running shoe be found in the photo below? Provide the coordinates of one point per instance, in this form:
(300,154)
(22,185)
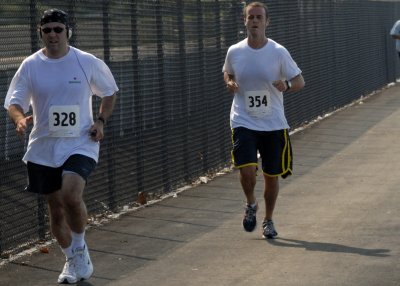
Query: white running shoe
(68,275)
(83,264)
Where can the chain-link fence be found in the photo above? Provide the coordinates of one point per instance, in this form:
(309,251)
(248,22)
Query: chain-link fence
(171,121)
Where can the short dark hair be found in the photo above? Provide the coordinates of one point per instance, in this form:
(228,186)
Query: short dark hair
(54,15)
(255,4)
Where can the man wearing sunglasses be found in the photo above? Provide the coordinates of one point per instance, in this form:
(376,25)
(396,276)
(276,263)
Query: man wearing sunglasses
(57,83)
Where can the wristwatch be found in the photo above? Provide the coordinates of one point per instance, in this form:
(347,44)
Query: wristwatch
(288,84)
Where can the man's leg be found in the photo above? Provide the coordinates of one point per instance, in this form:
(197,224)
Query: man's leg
(76,216)
(67,209)
(248,181)
(244,155)
(68,218)
(76,213)
(271,190)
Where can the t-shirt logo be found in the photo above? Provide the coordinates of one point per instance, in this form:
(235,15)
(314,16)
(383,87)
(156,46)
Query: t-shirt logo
(74,80)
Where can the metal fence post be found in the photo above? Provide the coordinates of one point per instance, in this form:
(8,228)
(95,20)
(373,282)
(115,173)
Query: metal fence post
(109,142)
(137,102)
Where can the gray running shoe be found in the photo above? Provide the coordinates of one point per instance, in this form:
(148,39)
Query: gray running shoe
(269,229)
(249,219)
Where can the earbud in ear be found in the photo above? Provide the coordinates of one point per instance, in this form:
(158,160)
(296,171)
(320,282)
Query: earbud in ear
(69,33)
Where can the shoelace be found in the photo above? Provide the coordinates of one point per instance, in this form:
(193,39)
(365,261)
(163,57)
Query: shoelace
(80,257)
(69,267)
(269,226)
(250,212)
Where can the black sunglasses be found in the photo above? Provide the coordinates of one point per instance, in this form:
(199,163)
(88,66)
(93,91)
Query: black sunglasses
(57,30)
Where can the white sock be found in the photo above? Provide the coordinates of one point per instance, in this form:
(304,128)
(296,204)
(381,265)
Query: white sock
(253,205)
(78,240)
(68,251)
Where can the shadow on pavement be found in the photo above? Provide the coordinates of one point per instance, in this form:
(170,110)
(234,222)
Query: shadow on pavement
(327,247)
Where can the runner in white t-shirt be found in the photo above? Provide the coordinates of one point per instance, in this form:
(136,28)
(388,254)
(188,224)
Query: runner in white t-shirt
(258,70)
(58,83)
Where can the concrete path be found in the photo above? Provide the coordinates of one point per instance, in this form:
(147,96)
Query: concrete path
(338,219)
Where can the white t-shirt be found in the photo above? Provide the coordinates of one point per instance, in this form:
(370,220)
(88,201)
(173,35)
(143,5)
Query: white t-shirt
(60,94)
(396,31)
(258,105)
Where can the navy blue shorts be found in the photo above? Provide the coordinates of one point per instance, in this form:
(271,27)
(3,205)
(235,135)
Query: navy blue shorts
(47,180)
(274,148)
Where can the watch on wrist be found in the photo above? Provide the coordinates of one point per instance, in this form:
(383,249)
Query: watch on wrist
(288,84)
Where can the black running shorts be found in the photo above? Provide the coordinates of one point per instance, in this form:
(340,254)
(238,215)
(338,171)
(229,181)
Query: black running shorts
(46,180)
(274,148)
